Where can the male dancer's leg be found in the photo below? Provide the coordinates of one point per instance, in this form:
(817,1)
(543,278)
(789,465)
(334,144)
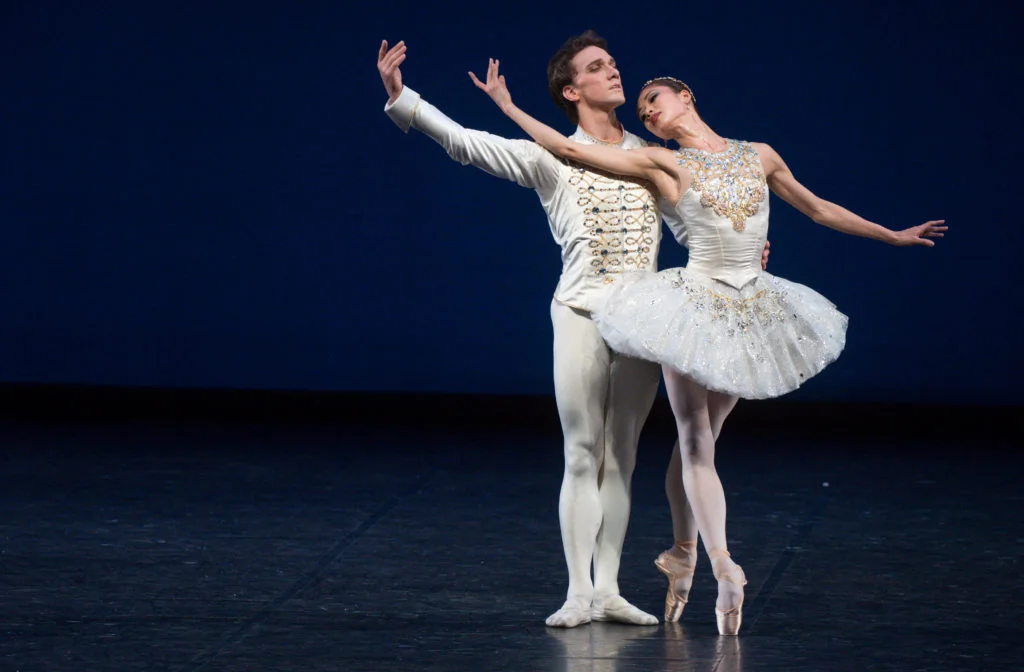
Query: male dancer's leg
(631,391)
(582,369)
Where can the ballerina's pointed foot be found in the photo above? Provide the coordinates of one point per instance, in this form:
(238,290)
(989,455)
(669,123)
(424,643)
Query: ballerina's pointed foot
(575,612)
(728,572)
(677,564)
(616,609)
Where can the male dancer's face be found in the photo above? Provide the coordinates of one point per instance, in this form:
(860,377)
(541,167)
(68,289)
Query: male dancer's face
(597,81)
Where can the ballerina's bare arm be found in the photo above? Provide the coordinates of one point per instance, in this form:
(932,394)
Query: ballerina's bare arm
(654,164)
(781,181)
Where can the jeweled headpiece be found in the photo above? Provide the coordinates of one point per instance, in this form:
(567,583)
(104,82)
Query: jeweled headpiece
(681,83)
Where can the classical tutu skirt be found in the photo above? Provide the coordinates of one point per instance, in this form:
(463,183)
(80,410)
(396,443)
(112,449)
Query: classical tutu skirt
(760,341)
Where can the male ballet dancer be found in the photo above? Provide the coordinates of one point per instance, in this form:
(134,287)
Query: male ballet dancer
(605,227)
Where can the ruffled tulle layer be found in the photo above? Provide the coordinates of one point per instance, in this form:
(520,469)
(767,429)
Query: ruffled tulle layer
(761,341)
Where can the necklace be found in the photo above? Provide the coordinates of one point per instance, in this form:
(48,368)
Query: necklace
(602,141)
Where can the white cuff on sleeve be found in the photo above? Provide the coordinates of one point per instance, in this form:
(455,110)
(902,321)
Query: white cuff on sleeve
(403,109)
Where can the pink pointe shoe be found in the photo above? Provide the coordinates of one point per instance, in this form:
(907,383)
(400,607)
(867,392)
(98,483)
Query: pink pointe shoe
(729,621)
(676,569)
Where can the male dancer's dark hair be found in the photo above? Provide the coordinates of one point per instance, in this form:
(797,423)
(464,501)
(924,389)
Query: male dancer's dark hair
(561,71)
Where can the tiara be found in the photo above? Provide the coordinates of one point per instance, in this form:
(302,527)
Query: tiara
(681,83)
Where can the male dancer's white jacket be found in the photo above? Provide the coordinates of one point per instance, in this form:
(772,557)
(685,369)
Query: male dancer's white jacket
(606,227)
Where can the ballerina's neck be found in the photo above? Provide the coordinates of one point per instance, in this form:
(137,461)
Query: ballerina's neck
(699,136)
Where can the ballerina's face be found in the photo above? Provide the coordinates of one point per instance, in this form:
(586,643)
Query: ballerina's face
(658,106)
(597,81)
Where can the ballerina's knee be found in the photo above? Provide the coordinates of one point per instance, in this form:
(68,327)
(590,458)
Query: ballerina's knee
(696,445)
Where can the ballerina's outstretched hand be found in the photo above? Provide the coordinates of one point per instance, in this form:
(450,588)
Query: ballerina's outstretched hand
(922,233)
(545,136)
(495,86)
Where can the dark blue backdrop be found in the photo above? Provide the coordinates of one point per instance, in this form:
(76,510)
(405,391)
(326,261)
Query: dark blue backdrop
(199,194)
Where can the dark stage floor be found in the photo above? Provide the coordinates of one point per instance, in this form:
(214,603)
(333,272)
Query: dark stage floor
(207,545)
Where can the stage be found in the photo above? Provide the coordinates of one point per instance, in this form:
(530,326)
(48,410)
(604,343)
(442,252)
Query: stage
(241,531)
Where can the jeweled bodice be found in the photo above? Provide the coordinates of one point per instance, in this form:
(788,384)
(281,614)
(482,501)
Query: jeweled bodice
(724,212)
(729,182)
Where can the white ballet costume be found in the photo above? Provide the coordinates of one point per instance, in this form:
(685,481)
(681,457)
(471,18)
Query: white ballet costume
(607,228)
(721,320)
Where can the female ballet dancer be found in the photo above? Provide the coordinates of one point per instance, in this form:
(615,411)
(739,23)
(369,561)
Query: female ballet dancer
(721,327)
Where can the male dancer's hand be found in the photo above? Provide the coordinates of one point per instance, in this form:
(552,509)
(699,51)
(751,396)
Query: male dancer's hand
(387,65)
(764,255)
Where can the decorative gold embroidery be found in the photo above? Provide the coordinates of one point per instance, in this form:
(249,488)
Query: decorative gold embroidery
(730,182)
(619,220)
(764,308)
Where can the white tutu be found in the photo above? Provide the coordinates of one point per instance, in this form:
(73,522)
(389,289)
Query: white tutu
(761,341)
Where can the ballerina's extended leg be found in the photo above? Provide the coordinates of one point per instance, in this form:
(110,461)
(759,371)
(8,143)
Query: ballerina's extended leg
(704,490)
(678,563)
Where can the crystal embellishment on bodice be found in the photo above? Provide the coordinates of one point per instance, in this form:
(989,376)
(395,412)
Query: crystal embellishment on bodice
(730,182)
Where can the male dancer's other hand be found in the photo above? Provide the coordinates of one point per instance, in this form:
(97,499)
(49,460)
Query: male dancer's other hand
(495,86)
(764,255)
(388,61)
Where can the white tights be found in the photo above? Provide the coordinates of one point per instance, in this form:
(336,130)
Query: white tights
(603,400)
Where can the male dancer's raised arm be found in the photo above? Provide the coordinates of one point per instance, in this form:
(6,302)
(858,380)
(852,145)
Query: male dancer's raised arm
(521,161)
